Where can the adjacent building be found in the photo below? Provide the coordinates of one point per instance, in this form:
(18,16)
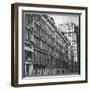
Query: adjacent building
(68,29)
(72,33)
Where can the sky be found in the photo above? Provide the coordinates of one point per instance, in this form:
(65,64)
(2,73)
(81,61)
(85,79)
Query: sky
(63,18)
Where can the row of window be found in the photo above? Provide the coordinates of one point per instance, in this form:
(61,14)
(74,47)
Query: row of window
(43,45)
(28,34)
(30,17)
(40,57)
(43,33)
(38,30)
(38,42)
(67,29)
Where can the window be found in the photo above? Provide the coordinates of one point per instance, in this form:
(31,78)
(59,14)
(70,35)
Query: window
(31,36)
(45,35)
(69,28)
(41,44)
(42,22)
(45,59)
(37,28)
(46,47)
(50,48)
(69,35)
(35,56)
(37,41)
(49,60)
(40,32)
(72,27)
(38,17)
(50,39)
(28,19)
(30,33)
(41,57)
(25,54)
(26,34)
(27,70)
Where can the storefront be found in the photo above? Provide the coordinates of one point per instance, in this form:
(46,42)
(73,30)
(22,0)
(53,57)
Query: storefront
(28,62)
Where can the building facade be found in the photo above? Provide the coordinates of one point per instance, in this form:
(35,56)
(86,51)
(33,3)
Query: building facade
(72,33)
(46,50)
(68,29)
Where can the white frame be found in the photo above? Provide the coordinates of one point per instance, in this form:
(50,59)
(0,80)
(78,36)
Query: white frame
(51,78)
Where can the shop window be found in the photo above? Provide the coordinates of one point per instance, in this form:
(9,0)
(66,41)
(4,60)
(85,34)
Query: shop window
(27,70)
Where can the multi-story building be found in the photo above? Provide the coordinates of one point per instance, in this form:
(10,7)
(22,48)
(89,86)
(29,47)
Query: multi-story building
(68,29)
(46,50)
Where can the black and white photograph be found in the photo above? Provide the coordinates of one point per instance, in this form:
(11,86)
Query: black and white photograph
(49,44)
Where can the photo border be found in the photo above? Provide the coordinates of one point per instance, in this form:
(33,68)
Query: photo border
(15,48)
